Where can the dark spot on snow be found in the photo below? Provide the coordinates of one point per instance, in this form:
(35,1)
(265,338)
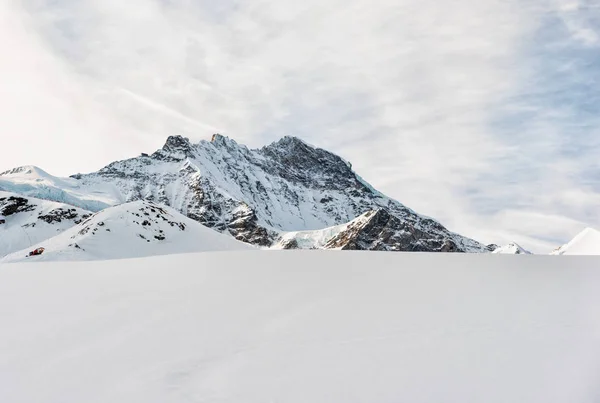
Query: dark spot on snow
(14,205)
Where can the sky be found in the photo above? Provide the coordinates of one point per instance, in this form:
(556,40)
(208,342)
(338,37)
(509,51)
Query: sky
(484,114)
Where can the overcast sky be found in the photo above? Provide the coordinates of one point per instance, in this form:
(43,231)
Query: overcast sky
(484,114)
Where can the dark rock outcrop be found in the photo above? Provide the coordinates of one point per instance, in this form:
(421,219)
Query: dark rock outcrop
(379,230)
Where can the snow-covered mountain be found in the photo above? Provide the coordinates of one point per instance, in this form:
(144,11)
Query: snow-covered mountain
(257,196)
(586,242)
(30,220)
(134,229)
(512,248)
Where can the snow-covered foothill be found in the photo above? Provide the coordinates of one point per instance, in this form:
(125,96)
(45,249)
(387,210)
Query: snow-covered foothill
(302,326)
(28,220)
(586,242)
(130,230)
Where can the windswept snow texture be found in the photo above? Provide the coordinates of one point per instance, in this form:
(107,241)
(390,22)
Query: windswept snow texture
(253,195)
(302,326)
(129,230)
(30,220)
(512,249)
(585,243)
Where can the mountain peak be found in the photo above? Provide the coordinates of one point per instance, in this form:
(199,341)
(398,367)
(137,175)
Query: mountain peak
(512,248)
(177,144)
(292,143)
(587,242)
(221,140)
(29,170)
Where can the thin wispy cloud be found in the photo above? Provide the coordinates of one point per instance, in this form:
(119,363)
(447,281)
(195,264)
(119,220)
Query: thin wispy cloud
(482,114)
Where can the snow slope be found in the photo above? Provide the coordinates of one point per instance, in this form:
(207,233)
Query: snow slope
(302,326)
(585,243)
(30,220)
(512,248)
(129,230)
(32,181)
(316,239)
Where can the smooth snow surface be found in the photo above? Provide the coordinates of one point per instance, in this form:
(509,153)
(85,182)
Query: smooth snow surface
(512,249)
(585,243)
(135,229)
(302,326)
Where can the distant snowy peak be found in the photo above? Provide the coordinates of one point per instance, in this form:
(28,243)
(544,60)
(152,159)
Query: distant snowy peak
(586,242)
(135,229)
(25,171)
(29,220)
(511,249)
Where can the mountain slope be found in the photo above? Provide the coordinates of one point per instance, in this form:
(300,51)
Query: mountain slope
(32,181)
(255,195)
(30,220)
(374,230)
(129,230)
(586,242)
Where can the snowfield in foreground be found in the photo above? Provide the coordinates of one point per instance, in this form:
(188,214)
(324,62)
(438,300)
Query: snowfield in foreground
(302,326)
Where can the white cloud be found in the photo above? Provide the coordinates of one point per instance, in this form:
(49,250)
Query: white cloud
(409,90)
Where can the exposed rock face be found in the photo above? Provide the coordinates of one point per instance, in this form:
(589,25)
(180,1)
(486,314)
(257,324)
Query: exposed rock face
(255,195)
(14,204)
(379,230)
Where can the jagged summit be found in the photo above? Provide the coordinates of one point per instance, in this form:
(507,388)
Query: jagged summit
(292,141)
(175,144)
(256,195)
